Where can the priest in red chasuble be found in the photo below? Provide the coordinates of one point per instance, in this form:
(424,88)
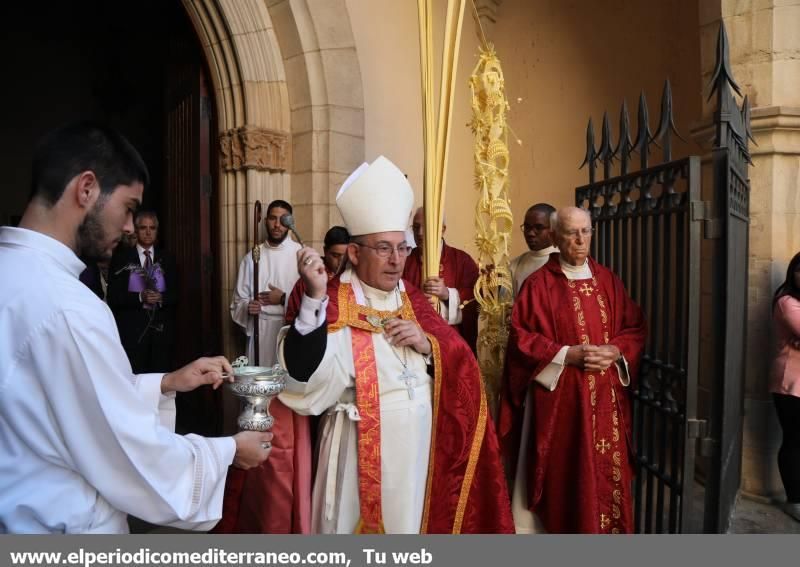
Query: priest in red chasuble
(453,285)
(405,442)
(575,342)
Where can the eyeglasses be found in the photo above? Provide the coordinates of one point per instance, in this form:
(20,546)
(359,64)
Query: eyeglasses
(535,227)
(385,250)
(573,234)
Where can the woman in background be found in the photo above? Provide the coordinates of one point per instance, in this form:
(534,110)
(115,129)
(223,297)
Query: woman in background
(785,385)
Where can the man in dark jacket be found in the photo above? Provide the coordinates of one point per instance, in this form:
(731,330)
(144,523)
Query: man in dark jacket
(142,296)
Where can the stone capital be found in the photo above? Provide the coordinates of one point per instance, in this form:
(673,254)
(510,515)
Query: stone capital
(252,147)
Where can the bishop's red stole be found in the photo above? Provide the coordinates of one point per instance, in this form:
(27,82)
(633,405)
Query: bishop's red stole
(369,433)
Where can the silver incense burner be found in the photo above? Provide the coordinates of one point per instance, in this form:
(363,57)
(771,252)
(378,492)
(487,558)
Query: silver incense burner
(256,386)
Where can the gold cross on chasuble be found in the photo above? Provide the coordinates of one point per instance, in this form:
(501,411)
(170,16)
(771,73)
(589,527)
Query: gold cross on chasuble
(603,446)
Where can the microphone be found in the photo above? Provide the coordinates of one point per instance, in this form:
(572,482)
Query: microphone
(287,220)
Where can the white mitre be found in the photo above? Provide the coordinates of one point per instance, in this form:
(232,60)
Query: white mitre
(376,197)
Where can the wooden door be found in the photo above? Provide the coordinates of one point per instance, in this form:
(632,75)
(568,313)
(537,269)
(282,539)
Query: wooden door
(190,223)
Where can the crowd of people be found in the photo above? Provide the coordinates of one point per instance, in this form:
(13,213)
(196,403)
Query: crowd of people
(384,424)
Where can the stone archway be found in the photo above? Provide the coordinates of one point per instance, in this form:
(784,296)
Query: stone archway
(290,116)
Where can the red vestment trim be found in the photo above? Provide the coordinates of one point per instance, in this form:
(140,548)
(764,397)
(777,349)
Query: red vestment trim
(369,432)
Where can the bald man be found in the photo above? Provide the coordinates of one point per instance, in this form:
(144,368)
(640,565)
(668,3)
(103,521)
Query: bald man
(574,346)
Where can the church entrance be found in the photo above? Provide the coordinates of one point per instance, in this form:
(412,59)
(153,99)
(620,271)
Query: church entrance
(139,67)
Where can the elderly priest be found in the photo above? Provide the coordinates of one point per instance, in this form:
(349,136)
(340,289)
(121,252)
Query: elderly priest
(406,444)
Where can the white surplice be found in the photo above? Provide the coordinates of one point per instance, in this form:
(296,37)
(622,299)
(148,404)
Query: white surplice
(277,266)
(526,263)
(83,440)
(405,422)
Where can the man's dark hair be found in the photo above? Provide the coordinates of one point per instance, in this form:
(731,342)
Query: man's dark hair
(336,235)
(279,203)
(84,146)
(542,208)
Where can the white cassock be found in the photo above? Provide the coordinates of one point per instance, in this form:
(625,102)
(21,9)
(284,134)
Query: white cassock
(277,266)
(83,440)
(526,263)
(405,421)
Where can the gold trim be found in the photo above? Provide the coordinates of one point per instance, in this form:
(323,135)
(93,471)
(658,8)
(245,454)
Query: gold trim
(472,464)
(437,392)
(343,305)
(576,303)
(349,312)
(360,528)
(603,315)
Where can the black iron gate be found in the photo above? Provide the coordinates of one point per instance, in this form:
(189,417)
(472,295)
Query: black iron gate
(644,232)
(730,160)
(648,230)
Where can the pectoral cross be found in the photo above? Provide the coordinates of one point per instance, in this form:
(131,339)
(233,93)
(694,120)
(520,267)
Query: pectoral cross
(410,380)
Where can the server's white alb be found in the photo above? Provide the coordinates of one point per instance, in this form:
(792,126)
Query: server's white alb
(68,403)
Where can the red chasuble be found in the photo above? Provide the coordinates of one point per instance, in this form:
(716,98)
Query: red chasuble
(466,489)
(580,461)
(460,272)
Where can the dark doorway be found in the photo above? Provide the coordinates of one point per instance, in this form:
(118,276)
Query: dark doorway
(139,67)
